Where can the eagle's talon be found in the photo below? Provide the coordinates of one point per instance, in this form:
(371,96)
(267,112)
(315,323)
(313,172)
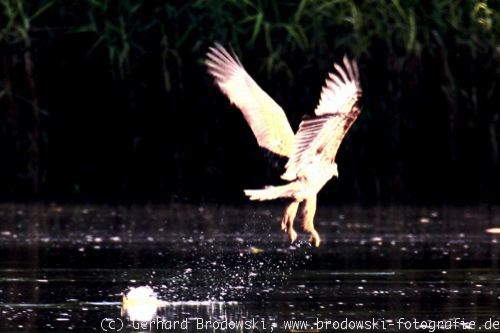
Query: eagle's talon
(314,238)
(292,235)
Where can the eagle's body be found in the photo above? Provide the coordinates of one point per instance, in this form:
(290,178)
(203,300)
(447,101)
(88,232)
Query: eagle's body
(311,151)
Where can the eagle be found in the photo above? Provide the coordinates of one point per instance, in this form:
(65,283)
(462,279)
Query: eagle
(311,151)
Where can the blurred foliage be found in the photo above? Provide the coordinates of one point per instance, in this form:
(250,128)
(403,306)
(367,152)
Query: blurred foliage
(430,72)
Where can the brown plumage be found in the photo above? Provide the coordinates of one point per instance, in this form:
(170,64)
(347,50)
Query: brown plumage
(311,152)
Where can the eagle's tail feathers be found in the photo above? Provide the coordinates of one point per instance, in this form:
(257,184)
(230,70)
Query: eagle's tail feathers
(272,192)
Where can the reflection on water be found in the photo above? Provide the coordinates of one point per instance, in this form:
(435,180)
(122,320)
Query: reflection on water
(67,267)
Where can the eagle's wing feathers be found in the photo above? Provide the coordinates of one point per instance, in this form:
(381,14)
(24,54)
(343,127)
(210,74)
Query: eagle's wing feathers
(265,117)
(341,89)
(312,138)
(335,113)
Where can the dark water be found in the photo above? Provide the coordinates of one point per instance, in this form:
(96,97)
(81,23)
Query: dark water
(64,268)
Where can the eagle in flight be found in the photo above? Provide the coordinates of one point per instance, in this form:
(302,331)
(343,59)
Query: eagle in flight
(311,151)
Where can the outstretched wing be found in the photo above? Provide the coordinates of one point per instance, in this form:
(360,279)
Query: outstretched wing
(265,117)
(337,110)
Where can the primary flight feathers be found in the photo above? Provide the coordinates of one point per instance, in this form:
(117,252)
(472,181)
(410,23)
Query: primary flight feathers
(266,118)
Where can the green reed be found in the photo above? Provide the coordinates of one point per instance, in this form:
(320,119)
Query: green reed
(15,34)
(274,36)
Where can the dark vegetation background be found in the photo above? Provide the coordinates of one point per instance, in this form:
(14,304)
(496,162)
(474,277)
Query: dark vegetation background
(109,100)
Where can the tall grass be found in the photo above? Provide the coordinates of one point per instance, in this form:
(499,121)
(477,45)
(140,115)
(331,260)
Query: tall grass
(15,35)
(282,38)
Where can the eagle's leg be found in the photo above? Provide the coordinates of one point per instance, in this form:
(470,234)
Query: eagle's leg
(287,221)
(308,220)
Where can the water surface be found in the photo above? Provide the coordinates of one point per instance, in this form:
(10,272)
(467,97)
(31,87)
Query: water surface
(66,267)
